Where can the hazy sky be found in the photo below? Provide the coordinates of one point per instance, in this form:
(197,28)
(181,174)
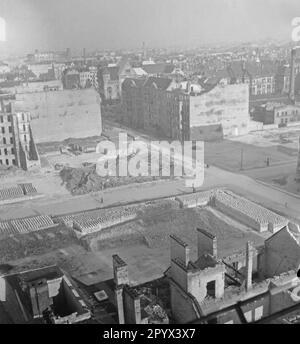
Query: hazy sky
(99,24)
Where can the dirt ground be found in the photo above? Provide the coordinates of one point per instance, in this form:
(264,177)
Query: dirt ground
(148,259)
(238,156)
(252,151)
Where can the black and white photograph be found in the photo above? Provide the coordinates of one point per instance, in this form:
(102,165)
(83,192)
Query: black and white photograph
(149,165)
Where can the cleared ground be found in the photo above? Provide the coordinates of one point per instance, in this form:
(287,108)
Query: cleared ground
(252,151)
(146,249)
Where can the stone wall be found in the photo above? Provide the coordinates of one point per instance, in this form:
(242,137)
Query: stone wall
(183,306)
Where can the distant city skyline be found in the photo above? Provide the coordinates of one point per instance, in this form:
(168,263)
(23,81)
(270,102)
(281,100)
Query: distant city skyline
(103,24)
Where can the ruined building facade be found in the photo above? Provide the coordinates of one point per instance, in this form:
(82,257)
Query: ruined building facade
(17,146)
(132,307)
(157,104)
(295,74)
(245,287)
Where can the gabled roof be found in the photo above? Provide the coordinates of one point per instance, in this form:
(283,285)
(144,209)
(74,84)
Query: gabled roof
(160,83)
(133,82)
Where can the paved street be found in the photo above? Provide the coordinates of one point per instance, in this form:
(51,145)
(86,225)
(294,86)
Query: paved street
(214,177)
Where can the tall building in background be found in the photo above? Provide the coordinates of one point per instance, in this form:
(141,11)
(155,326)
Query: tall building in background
(295,74)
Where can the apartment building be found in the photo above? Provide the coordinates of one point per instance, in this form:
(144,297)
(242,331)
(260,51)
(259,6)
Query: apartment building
(183,111)
(17,147)
(277,113)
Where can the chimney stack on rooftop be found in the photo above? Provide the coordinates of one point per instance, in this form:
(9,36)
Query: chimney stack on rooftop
(249,265)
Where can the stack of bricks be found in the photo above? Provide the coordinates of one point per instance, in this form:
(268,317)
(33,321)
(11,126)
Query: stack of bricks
(248,212)
(26,225)
(11,193)
(195,200)
(28,189)
(94,221)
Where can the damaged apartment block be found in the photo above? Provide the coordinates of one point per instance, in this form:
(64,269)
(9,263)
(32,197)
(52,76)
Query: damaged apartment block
(17,146)
(133,307)
(244,287)
(42,296)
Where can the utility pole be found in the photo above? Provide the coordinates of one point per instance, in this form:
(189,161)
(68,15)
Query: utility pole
(242,159)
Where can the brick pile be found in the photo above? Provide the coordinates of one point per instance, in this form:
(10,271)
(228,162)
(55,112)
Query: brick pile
(93,221)
(195,200)
(26,225)
(11,193)
(28,189)
(248,212)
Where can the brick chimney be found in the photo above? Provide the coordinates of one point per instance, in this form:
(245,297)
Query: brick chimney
(249,265)
(120,271)
(179,250)
(207,243)
(121,279)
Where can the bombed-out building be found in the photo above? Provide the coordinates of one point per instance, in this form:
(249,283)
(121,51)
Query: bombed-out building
(295,75)
(255,285)
(186,112)
(251,286)
(17,145)
(63,114)
(42,296)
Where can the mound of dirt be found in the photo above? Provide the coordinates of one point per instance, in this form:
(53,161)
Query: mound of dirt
(84,180)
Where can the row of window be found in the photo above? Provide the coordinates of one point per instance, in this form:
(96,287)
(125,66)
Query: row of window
(285,113)
(264,80)
(5,151)
(6,162)
(2,119)
(5,141)
(4,131)
(261,91)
